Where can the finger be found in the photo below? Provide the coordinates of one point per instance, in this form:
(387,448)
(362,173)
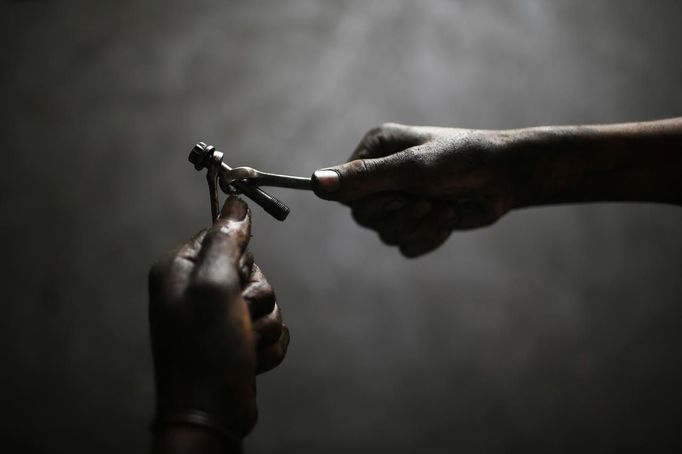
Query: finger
(171,274)
(221,249)
(273,355)
(432,231)
(246,267)
(371,210)
(258,294)
(190,250)
(234,210)
(404,222)
(399,224)
(389,138)
(268,329)
(362,177)
(476,212)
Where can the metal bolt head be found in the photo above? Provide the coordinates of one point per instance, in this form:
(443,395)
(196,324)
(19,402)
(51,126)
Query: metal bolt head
(200,154)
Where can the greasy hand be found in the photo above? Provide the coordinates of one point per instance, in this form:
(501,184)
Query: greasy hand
(214,323)
(414,185)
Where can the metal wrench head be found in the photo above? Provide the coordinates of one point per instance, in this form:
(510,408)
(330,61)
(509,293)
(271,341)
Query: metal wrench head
(228,177)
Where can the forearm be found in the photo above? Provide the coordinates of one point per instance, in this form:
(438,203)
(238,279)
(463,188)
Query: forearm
(622,162)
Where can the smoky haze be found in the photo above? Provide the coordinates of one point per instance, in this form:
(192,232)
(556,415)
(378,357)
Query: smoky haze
(555,330)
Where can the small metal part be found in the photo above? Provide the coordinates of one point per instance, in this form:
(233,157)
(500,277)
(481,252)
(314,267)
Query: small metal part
(242,180)
(199,155)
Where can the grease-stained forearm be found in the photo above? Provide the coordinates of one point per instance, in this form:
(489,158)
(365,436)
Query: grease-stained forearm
(621,162)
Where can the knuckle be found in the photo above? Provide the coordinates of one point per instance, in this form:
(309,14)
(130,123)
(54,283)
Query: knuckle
(392,129)
(259,289)
(357,168)
(366,167)
(216,237)
(267,292)
(373,139)
(229,232)
(376,141)
(256,275)
(389,125)
(264,302)
(374,132)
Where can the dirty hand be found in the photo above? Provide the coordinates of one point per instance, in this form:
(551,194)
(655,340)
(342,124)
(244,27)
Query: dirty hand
(415,185)
(214,324)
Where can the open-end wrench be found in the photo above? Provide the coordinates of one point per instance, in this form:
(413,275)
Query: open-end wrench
(244,180)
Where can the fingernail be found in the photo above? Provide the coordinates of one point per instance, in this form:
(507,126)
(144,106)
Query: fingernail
(421,208)
(234,209)
(328,180)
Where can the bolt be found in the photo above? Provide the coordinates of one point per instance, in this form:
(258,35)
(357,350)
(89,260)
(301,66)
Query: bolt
(200,154)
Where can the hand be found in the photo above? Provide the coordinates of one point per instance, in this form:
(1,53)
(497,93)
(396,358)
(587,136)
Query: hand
(214,324)
(414,185)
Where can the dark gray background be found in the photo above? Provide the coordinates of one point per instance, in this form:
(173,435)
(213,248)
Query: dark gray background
(555,330)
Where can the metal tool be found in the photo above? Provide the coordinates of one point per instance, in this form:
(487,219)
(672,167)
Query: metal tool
(259,178)
(242,180)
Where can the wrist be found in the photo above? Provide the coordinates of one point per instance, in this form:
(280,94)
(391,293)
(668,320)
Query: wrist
(192,433)
(232,407)
(558,164)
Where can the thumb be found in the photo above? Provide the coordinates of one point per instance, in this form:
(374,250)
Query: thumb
(362,177)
